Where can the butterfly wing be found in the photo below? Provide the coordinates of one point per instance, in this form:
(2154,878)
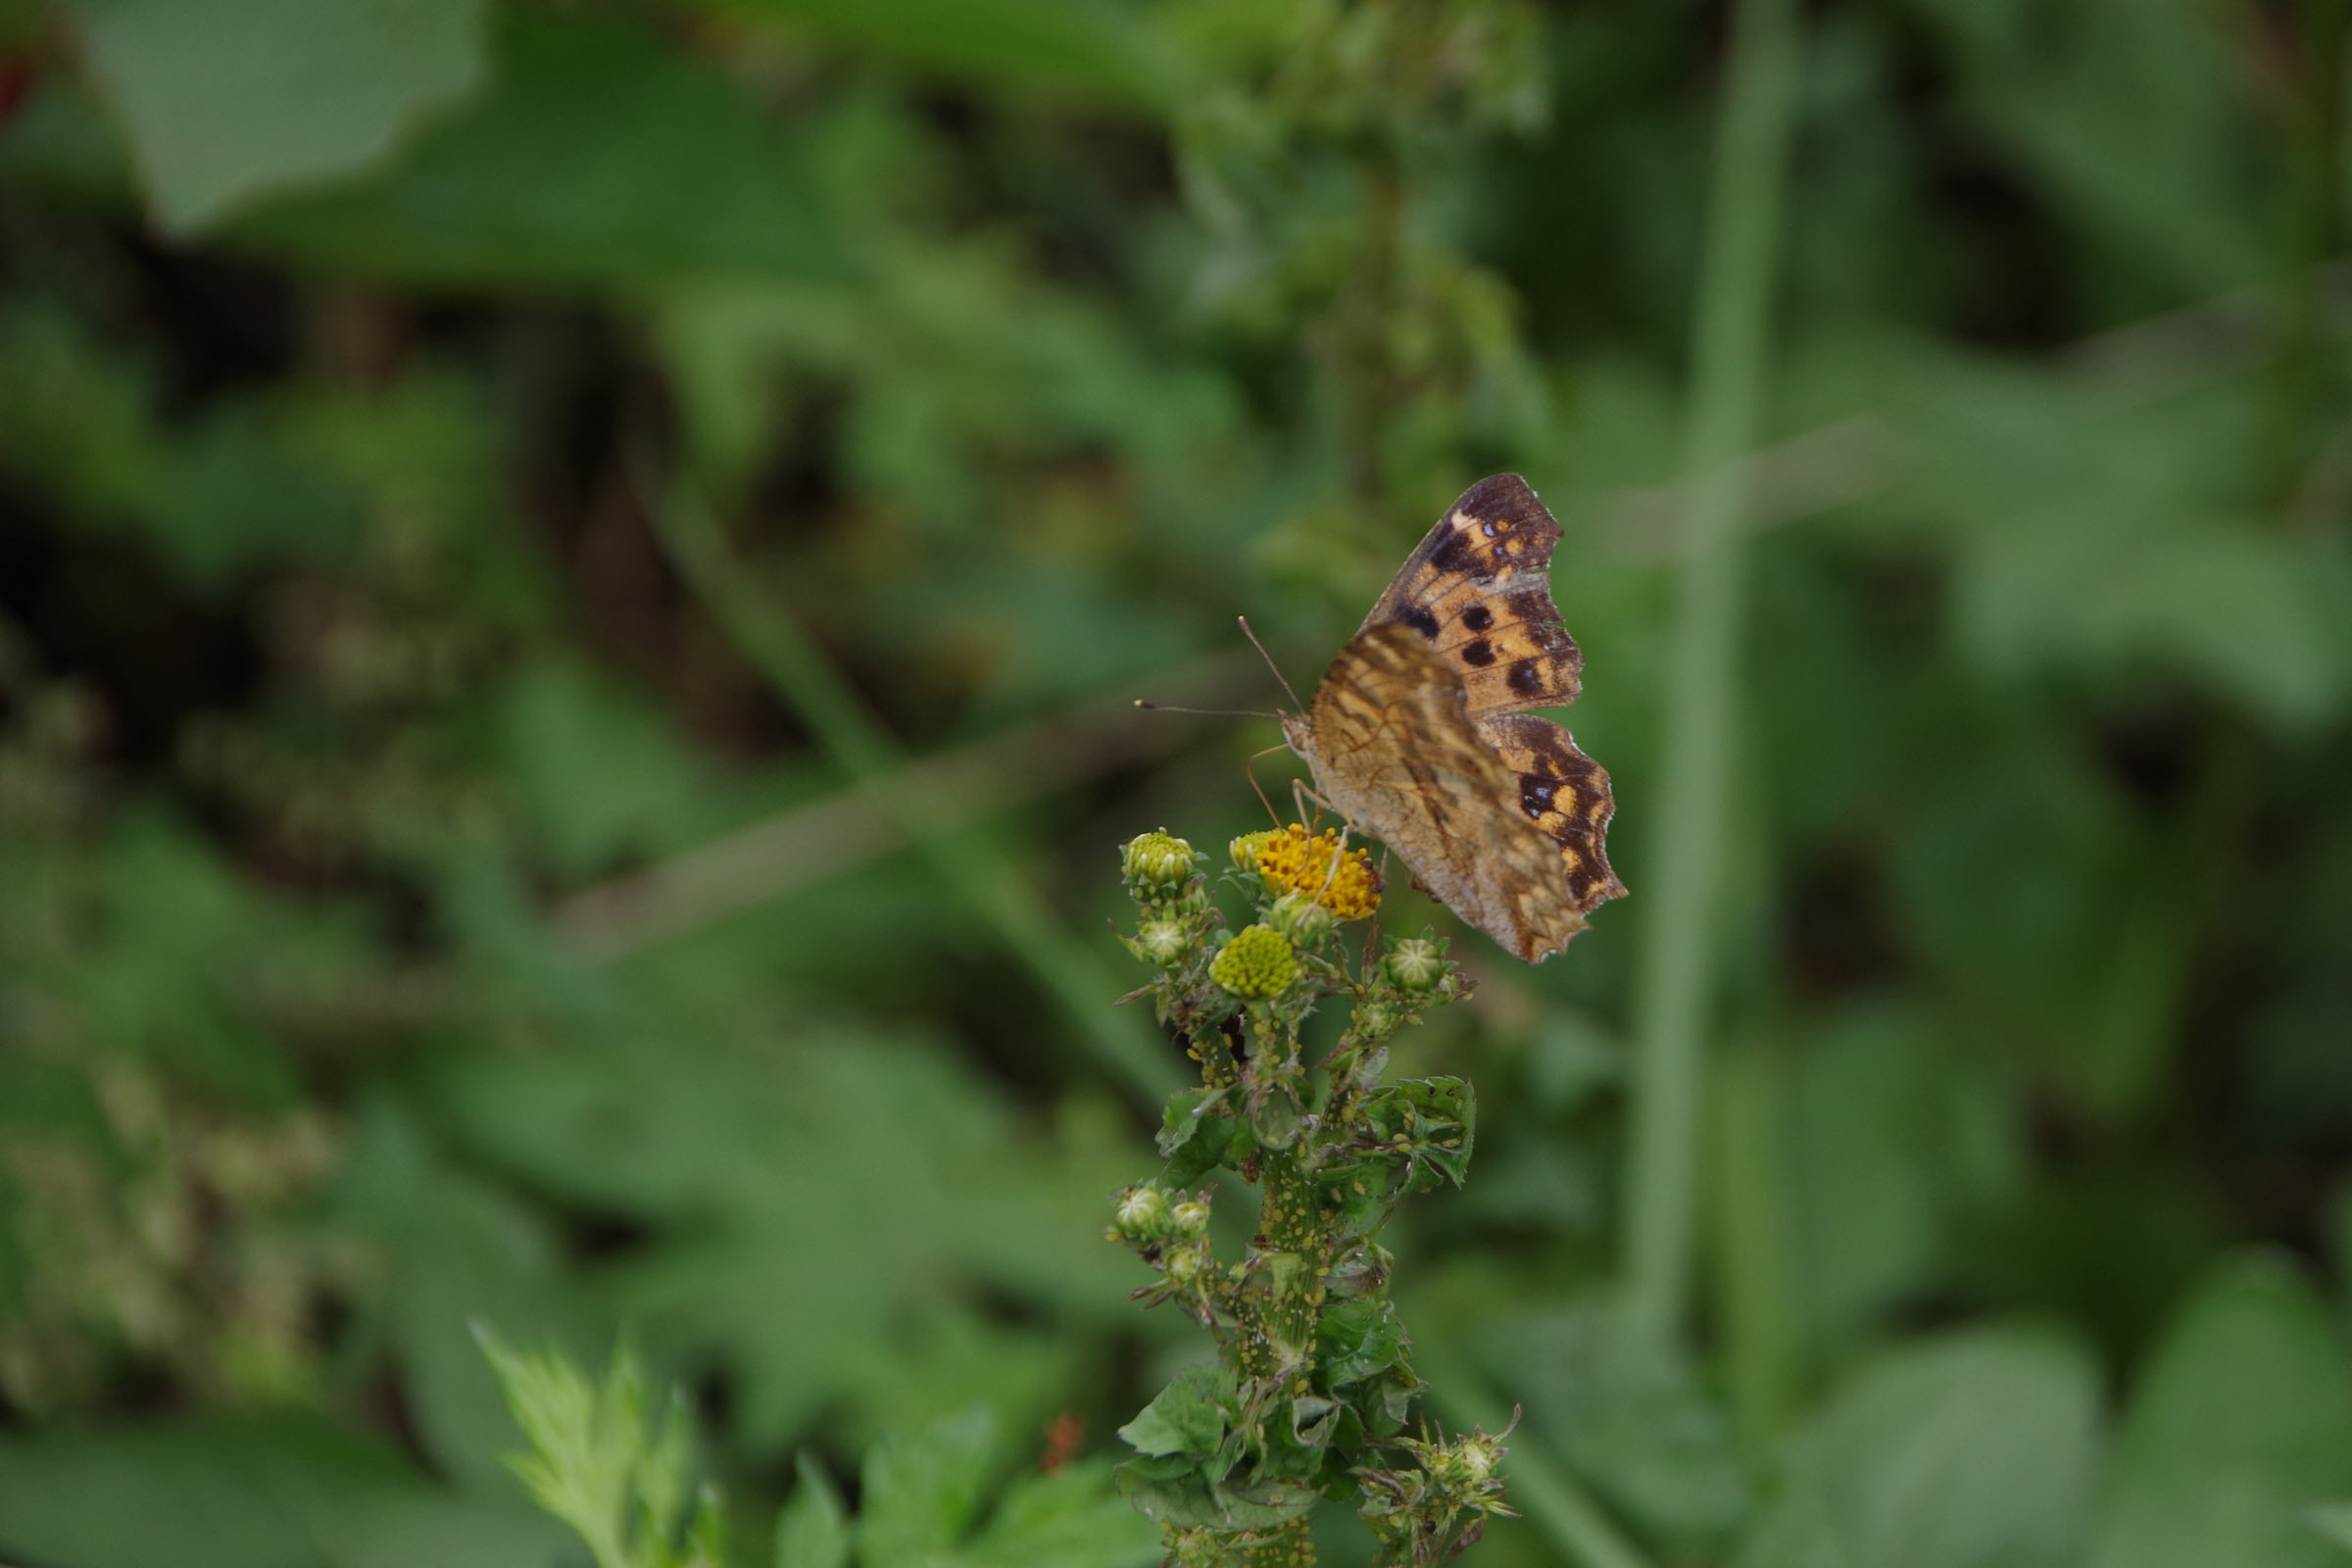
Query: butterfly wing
(1393,748)
(1478,590)
(1565,794)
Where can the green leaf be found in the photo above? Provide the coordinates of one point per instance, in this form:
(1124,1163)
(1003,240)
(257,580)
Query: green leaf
(1634,1418)
(604,155)
(2332,1520)
(1189,1416)
(596,773)
(922,1494)
(1973,1452)
(1076,48)
(1195,1134)
(1357,1338)
(1068,1519)
(2243,1421)
(247,1494)
(225,101)
(812,1530)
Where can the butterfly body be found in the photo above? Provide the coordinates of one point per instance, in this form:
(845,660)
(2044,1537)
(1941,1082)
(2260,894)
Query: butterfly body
(1419,733)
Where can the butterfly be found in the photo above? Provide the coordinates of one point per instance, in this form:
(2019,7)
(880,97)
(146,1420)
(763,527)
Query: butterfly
(1419,735)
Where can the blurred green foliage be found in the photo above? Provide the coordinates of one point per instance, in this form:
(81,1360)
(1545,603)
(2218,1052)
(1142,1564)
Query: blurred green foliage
(419,901)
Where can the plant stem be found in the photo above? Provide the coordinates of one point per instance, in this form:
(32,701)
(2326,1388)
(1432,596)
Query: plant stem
(1679,950)
(967,859)
(1756,1244)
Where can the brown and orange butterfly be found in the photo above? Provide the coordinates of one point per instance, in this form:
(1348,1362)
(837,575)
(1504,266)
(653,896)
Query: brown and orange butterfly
(1419,733)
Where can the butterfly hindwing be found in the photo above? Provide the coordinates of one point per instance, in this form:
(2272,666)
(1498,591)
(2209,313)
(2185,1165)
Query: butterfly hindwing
(1565,794)
(1477,589)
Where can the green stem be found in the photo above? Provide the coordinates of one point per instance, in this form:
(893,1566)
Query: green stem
(1756,1244)
(967,859)
(1679,949)
(2298,330)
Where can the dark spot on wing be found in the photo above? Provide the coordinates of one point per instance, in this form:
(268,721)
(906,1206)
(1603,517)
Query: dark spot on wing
(1478,617)
(1420,618)
(1525,678)
(1478,653)
(1534,795)
(1454,553)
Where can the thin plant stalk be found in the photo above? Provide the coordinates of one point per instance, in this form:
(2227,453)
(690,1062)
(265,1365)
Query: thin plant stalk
(967,859)
(1681,900)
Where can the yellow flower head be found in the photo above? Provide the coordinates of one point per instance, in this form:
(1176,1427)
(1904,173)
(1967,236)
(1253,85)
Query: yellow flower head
(1257,962)
(1291,861)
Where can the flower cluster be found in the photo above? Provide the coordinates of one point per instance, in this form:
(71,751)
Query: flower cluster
(1292,862)
(1258,963)
(1431,1510)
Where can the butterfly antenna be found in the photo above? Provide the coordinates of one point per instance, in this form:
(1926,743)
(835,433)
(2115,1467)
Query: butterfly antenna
(1270,664)
(1213,713)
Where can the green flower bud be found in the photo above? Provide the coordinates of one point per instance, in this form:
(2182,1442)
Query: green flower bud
(1244,850)
(1186,1262)
(1299,917)
(1257,962)
(1142,1213)
(1376,1020)
(1190,1217)
(1416,963)
(1162,941)
(1467,1464)
(1158,864)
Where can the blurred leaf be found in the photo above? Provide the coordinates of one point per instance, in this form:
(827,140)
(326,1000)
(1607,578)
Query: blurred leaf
(2333,1521)
(228,100)
(1897,1144)
(2127,110)
(2243,1421)
(598,775)
(920,1495)
(254,1493)
(1639,1423)
(716,1149)
(1067,1518)
(812,1530)
(604,155)
(1973,1452)
(1081,49)
(453,1251)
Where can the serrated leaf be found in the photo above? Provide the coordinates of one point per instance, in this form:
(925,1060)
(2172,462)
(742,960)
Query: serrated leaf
(1189,1416)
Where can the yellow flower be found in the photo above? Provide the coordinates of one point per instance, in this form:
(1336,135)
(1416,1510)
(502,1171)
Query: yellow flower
(1244,850)
(1291,861)
(1256,963)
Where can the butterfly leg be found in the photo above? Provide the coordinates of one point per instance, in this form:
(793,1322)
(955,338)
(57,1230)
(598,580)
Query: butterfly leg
(1301,793)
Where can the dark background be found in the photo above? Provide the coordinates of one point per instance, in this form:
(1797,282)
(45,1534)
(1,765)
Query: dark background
(570,580)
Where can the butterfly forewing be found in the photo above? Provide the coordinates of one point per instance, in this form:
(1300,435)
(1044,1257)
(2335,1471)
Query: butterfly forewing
(1477,589)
